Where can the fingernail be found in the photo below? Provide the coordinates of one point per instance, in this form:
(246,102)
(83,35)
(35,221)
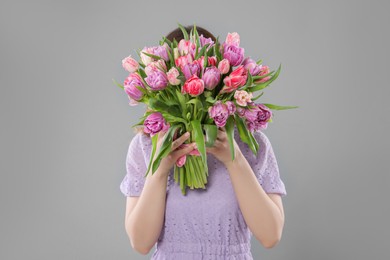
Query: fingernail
(187,134)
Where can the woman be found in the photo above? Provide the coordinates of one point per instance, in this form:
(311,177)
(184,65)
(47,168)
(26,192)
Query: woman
(243,197)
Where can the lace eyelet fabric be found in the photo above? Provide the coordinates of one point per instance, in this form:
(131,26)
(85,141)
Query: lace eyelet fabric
(204,223)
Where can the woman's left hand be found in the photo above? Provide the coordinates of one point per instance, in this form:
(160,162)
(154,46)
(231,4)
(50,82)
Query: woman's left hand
(221,147)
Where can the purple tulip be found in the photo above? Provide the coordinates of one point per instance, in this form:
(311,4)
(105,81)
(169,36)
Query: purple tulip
(155,123)
(161,51)
(219,112)
(130,84)
(231,107)
(190,69)
(204,41)
(257,116)
(157,79)
(250,64)
(240,111)
(211,77)
(234,54)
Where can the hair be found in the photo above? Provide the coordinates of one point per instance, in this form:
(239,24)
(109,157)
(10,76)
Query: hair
(178,35)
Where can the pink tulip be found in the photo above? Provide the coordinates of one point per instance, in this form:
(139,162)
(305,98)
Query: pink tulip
(159,64)
(264,69)
(235,79)
(224,66)
(172,75)
(193,86)
(130,86)
(132,102)
(186,47)
(145,58)
(211,61)
(183,60)
(233,39)
(130,64)
(242,97)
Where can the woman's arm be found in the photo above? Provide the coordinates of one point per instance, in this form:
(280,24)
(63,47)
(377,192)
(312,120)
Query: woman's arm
(262,212)
(144,220)
(145,214)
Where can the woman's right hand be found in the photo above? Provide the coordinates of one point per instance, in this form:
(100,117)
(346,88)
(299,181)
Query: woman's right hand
(169,161)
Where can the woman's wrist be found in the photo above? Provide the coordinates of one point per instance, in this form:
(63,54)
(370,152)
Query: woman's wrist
(160,174)
(238,156)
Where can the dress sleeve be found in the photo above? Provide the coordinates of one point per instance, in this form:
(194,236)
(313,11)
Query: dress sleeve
(265,166)
(134,180)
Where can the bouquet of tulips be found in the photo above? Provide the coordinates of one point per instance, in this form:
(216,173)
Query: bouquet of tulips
(198,85)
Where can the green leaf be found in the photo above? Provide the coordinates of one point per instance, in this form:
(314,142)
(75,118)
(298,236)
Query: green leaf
(263,76)
(202,175)
(196,102)
(182,102)
(206,58)
(255,98)
(216,49)
(203,50)
(196,36)
(176,173)
(116,83)
(197,42)
(165,148)
(210,52)
(192,181)
(141,73)
(171,59)
(265,84)
(244,133)
(167,40)
(154,139)
(184,31)
(139,123)
(181,172)
(163,107)
(211,100)
(207,93)
(211,132)
(152,56)
(254,142)
(277,107)
(249,81)
(174,119)
(175,43)
(142,89)
(199,139)
(230,135)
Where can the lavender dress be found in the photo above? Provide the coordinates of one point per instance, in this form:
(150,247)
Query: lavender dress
(204,224)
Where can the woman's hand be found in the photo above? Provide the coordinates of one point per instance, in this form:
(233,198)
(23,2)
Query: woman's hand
(169,161)
(221,147)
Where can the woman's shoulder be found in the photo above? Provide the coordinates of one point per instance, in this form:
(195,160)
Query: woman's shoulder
(139,143)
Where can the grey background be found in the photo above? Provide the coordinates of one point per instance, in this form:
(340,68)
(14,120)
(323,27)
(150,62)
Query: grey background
(65,128)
